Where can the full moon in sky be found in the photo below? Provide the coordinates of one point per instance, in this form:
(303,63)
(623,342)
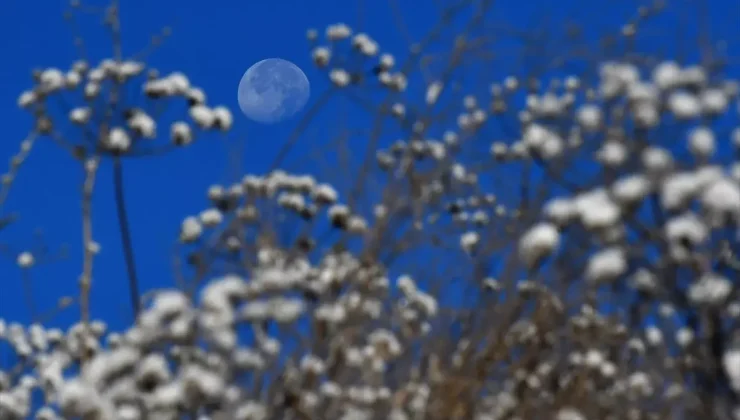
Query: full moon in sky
(273,90)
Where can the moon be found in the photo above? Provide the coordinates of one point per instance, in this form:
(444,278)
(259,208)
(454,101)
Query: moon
(273,90)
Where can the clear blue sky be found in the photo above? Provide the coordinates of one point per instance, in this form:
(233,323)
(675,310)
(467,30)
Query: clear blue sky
(213,43)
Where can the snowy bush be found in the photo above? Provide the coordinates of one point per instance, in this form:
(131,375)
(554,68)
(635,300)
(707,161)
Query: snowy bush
(593,243)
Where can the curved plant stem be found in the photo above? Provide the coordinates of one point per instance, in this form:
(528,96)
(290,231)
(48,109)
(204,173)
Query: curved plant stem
(123,225)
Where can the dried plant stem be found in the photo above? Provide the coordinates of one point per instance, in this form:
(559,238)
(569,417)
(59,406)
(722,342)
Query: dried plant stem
(301,128)
(114,23)
(91,168)
(16,162)
(126,242)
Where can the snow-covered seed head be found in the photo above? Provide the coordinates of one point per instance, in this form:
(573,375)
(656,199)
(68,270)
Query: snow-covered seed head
(118,140)
(538,242)
(710,290)
(203,116)
(731,365)
(340,77)
(223,119)
(469,241)
(338,32)
(195,96)
(667,75)
(702,143)
(26,99)
(211,217)
(142,124)
(80,115)
(684,105)
(321,56)
(433,91)
(25,260)
(191,229)
(590,117)
(606,265)
(181,133)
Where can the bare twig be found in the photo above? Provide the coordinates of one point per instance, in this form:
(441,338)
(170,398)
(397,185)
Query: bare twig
(126,242)
(15,164)
(88,244)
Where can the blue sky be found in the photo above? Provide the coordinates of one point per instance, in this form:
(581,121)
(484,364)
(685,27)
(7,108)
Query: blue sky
(213,43)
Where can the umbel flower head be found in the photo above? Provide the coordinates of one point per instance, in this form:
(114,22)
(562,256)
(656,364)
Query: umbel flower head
(109,121)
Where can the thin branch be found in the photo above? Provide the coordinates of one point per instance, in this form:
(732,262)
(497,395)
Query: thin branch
(113,19)
(123,225)
(15,164)
(300,128)
(88,245)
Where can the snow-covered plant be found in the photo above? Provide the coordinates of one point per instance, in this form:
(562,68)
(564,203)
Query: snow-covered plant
(559,245)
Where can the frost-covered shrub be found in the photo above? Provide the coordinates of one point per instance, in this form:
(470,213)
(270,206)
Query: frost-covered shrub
(591,248)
